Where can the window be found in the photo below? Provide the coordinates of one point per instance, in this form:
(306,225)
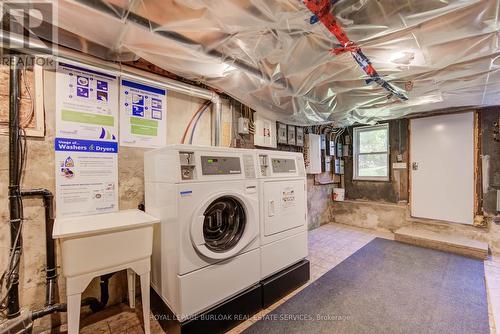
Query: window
(371,153)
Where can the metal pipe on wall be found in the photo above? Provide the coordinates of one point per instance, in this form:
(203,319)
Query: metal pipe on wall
(15,205)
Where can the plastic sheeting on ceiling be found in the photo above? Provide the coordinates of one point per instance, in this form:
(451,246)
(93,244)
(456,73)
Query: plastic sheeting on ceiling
(265,53)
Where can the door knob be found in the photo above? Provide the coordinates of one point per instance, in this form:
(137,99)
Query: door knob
(414,166)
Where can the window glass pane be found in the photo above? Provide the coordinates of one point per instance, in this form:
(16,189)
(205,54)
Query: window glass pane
(372,165)
(373,141)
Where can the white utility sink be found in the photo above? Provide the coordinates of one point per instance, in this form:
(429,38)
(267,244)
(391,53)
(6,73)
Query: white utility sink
(95,245)
(94,242)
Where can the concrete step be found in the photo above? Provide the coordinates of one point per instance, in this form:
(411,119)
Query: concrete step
(443,242)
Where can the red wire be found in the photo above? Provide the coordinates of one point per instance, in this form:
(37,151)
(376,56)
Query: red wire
(191,121)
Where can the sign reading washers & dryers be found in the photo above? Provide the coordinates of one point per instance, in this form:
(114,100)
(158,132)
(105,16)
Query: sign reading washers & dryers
(86,143)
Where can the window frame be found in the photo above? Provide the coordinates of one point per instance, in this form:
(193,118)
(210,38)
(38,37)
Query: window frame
(356,132)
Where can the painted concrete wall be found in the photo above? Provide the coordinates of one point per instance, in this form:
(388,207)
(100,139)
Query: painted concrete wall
(390,217)
(40,173)
(318,203)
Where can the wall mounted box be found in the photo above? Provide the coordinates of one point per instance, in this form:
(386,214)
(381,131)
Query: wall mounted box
(265,132)
(299,136)
(323,142)
(326,163)
(340,150)
(330,147)
(243,126)
(282,133)
(339,166)
(312,153)
(291,135)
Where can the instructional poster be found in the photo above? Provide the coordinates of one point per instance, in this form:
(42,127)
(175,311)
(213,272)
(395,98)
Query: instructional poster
(143,110)
(86,143)
(86,103)
(86,176)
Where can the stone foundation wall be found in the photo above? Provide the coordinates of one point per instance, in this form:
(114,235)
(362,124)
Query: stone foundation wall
(389,217)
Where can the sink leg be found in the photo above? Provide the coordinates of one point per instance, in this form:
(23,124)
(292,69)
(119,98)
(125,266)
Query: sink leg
(131,287)
(74,303)
(145,301)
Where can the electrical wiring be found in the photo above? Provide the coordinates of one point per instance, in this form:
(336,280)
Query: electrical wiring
(205,108)
(26,120)
(191,121)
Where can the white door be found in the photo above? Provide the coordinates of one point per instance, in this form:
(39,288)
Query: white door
(442,167)
(284,205)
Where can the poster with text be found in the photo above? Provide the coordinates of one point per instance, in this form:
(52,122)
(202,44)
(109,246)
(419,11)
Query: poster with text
(86,103)
(143,109)
(86,177)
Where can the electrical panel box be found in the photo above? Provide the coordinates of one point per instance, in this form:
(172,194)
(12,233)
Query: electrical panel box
(265,132)
(243,126)
(291,135)
(299,136)
(326,163)
(340,150)
(312,153)
(339,166)
(323,142)
(282,133)
(330,147)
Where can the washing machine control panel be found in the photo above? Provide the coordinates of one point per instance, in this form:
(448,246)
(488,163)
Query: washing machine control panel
(219,165)
(281,165)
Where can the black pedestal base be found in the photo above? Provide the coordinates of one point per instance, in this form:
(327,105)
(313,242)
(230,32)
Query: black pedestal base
(241,307)
(279,285)
(218,319)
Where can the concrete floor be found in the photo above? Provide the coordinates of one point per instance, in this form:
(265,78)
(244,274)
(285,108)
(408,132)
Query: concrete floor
(328,246)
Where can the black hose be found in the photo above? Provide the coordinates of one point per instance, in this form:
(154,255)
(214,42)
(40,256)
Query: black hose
(94,304)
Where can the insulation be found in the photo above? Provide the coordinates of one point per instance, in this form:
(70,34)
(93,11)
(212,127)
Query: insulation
(267,54)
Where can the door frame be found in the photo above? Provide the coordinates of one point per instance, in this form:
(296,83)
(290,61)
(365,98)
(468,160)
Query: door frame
(477,164)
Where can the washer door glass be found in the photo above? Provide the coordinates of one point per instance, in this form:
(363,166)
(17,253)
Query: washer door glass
(224,224)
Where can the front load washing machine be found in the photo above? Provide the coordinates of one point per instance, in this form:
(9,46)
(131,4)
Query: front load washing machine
(283,210)
(206,248)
